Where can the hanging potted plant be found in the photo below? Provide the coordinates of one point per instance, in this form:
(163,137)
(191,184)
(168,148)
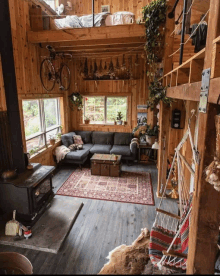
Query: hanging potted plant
(151,134)
(86,120)
(119,118)
(76,100)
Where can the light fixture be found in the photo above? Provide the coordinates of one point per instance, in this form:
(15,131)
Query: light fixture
(155,145)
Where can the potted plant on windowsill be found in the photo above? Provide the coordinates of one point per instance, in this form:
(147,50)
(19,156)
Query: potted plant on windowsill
(59,134)
(151,134)
(52,139)
(86,120)
(119,118)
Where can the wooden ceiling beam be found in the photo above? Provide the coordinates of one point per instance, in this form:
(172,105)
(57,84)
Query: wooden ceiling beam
(101,47)
(115,41)
(83,34)
(98,50)
(116,51)
(191,91)
(104,53)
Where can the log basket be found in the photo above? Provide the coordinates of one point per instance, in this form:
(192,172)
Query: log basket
(14,263)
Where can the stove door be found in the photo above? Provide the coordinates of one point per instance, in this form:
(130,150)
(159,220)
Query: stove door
(41,193)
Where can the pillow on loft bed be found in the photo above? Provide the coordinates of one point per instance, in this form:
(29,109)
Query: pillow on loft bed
(120,18)
(74,21)
(99,19)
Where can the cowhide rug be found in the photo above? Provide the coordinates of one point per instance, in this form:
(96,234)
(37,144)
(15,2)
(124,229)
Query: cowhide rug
(129,259)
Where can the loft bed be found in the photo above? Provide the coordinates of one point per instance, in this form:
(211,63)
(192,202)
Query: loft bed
(102,29)
(62,21)
(107,35)
(86,21)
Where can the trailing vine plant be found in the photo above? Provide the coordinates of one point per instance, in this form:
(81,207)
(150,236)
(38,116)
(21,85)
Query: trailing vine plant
(157,94)
(154,16)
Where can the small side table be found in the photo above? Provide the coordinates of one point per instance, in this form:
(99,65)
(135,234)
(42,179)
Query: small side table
(146,146)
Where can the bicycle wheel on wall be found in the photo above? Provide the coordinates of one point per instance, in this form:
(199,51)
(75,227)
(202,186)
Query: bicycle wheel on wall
(47,74)
(64,77)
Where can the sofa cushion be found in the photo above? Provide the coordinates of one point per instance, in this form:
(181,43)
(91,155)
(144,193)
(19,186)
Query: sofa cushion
(86,136)
(100,149)
(121,150)
(77,155)
(102,138)
(67,139)
(87,146)
(122,138)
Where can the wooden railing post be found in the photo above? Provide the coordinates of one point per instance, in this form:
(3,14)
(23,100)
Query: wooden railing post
(164,120)
(205,218)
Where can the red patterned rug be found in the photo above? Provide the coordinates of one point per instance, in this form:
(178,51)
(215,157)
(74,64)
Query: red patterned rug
(129,187)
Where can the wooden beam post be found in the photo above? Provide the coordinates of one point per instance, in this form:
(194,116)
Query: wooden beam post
(204,228)
(164,120)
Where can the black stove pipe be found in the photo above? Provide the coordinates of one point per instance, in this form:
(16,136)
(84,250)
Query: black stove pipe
(8,69)
(183,32)
(172,13)
(93,13)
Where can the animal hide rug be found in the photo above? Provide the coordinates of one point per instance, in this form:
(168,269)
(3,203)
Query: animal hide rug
(129,259)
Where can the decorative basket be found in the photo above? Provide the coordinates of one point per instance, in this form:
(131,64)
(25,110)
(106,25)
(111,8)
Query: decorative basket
(14,263)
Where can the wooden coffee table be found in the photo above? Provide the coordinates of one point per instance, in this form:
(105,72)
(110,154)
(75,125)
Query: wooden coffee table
(105,165)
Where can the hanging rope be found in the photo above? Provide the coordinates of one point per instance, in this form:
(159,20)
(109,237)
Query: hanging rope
(191,34)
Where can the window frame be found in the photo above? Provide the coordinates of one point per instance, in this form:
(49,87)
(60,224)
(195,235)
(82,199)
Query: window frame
(43,130)
(105,106)
(56,4)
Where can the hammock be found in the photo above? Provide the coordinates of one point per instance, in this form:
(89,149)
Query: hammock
(169,235)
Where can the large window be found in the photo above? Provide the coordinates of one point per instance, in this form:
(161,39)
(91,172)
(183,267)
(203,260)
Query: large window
(51,3)
(41,120)
(103,109)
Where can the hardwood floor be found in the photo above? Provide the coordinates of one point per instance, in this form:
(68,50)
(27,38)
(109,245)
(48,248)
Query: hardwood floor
(100,227)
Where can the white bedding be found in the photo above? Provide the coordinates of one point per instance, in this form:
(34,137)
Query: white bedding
(101,19)
(119,18)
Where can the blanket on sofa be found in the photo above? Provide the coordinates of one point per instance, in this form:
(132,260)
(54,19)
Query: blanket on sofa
(61,152)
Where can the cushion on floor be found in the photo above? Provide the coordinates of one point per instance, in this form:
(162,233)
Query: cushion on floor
(100,149)
(121,150)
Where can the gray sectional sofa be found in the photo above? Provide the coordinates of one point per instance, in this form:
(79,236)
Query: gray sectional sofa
(99,142)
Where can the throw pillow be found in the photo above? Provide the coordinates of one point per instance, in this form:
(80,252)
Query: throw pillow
(77,139)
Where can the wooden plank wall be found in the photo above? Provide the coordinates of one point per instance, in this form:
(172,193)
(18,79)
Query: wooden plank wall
(3,106)
(136,90)
(27,65)
(85,6)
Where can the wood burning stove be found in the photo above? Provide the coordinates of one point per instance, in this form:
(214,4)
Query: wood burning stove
(28,194)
